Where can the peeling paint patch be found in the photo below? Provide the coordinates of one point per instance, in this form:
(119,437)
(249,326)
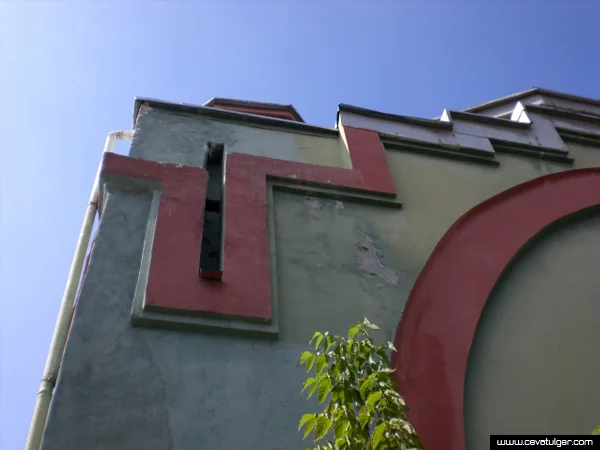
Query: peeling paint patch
(315,208)
(144,109)
(313,203)
(370,260)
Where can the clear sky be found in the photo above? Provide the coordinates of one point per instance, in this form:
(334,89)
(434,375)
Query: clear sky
(70,70)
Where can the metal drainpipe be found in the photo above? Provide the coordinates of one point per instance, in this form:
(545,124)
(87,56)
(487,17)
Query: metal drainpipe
(61,329)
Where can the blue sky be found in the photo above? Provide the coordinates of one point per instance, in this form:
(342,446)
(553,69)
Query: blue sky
(69,71)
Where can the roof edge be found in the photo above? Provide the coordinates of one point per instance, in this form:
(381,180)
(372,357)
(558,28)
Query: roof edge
(232,115)
(576,115)
(485,119)
(534,90)
(394,117)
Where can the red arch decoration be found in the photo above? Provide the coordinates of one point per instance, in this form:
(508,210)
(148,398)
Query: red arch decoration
(440,319)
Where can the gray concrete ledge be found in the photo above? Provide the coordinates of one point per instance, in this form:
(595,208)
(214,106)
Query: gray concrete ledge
(233,116)
(456,153)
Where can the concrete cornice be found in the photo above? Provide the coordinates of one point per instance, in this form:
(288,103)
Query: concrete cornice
(232,116)
(533,130)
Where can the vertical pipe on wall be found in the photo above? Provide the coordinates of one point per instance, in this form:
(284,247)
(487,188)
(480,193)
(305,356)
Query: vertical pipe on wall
(61,328)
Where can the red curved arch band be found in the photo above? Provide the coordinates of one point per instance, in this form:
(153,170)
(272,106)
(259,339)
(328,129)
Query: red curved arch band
(440,319)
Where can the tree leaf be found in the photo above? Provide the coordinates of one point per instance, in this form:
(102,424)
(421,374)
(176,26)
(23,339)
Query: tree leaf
(384,357)
(342,443)
(340,427)
(329,341)
(322,428)
(315,336)
(324,389)
(596,431)
(361,403)
(378,434)
(309,382)
(367,385)
(339,350)
(358,361)
(318,341)
(321,363)
(364,418)
(310,424)
(313,389)
(305,355)
(373,398)
(305,418)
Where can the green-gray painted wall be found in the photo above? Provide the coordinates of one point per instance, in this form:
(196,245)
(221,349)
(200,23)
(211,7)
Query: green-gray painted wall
(138,388)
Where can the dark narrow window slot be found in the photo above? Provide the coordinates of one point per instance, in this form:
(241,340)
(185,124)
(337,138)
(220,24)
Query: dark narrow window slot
(211,265)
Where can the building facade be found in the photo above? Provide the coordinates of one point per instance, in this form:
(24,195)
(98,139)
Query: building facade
(234,230)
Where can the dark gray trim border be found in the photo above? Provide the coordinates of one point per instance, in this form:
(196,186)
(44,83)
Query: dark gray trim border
(456,153)
(531,152)
(579,136)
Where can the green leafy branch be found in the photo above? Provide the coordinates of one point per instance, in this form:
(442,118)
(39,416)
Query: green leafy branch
(363,409)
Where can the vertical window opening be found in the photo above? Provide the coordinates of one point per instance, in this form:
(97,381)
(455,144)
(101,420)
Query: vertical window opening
(211,252)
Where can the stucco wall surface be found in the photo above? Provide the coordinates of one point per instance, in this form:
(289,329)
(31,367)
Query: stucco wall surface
(180,138)
(138,388)
(135,388)
(437,191)
(585,155)
(535,362)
